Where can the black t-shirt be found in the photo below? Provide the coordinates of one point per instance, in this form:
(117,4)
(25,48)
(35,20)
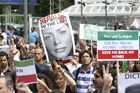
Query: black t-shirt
(68,90)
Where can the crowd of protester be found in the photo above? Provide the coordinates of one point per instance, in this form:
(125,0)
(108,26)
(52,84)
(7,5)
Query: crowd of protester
(82,74)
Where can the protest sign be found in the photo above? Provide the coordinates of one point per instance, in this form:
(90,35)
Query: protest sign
(88,32)
(25,71)
(136,24)
(57,36)
(129,82)
(118,45)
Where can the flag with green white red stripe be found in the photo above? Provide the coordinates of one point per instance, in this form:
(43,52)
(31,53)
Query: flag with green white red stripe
(118,45)
(25,71)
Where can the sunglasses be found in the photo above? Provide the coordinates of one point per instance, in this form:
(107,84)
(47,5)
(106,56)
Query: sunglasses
(116,67)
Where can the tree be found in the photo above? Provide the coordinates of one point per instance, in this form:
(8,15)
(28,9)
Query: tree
(43,6)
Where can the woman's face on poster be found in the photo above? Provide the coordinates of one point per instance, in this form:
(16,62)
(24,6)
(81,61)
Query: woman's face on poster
(58,40)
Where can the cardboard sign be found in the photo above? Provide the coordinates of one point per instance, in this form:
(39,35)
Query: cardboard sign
(57,36)
(129,82)
(88,32)
(118,45)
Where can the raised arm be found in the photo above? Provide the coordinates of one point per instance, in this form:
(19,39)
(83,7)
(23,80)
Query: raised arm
(22,87)
(43,84)
(63,71)
(107,78)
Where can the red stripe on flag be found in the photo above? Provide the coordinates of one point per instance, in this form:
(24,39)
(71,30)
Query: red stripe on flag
(27,78)
(118,54)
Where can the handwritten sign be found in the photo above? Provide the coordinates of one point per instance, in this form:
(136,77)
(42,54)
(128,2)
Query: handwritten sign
(120,45)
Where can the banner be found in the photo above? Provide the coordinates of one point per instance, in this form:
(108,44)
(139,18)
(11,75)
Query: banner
(118,45)
(88,32)
(136,24)
(25,71)
(129,82)
(57,36)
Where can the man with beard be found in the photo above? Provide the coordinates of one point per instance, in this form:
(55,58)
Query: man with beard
(4,67)
(41,67)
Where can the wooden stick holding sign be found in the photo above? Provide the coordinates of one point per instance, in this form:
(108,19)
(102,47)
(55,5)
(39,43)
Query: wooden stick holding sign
(118,69)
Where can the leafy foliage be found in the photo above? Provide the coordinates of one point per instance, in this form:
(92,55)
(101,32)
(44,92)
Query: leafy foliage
(43,6)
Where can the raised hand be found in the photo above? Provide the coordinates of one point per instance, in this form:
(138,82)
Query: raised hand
(12,50)
(107,78)
(21,42)
(22,87)
(73,61)
(41,82)
(57,67)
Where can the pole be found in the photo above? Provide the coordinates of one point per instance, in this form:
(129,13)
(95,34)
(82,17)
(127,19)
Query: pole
(25,21)
(81,11)
(50,6)
(53,5)
(106,14)
(59,5)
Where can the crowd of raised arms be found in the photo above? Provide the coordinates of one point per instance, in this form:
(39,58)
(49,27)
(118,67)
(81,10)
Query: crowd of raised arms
(80,73)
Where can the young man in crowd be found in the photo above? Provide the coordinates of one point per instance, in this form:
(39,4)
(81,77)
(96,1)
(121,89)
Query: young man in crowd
(103,80)
(83,75)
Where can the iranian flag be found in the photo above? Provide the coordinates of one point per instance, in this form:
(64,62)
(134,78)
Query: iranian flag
(26,71)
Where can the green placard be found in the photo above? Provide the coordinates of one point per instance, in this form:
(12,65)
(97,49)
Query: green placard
(118,35)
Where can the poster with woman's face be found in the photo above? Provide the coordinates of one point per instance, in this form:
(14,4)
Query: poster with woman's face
(57,36)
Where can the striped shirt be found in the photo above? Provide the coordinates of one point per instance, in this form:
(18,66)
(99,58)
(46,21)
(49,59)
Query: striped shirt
(84,79)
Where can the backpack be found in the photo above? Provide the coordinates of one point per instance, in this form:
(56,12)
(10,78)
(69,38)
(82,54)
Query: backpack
(77,72)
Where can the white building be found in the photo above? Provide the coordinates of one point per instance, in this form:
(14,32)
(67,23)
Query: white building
(95,12)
